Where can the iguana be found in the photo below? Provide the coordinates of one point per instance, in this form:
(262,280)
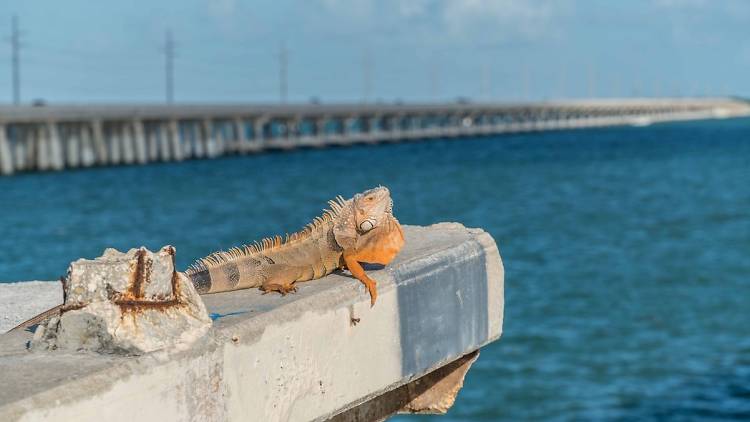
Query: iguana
(360,229)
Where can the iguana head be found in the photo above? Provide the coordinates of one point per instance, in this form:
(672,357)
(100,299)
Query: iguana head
(364,212)
(371,208)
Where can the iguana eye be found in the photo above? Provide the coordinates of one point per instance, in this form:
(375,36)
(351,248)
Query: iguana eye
(367,225)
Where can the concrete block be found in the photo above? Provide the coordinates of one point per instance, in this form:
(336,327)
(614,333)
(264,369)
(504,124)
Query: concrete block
(130,303)
(307,356)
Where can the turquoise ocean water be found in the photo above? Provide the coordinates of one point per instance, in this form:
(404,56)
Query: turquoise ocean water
(627,250)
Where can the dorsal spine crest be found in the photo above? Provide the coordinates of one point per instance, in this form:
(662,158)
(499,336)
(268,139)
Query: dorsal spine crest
(269,244)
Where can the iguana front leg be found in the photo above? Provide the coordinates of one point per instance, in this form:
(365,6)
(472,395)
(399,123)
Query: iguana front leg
(352,263)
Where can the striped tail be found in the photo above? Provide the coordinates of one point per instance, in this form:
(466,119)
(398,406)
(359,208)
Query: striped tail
(37,319)
(227,276)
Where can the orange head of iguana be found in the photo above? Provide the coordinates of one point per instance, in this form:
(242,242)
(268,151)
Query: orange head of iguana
(367,231)
(372,208)
(362,214)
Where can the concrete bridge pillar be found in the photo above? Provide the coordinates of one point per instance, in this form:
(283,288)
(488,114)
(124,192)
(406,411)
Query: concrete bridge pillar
(258,126)
(6,161)
(320,128)
(41,147)
(126,136)
(295,129)
(72,146)
(242,144)
(364,124)
(100,148)
(349,126)
(24,149)
(392,125)
(13,139)
(371,128)
(206,138)
(88,150)
(27,148)
(55,146)
(190,137)
(112,138)
(175,139)
(162,136)
(152,132)
(223,140)
(375,124)
(139,140)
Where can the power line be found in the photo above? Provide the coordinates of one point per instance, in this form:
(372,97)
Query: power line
(169,48)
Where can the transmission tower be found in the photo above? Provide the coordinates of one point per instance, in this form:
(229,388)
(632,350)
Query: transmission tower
(366,74)
(283,64)
(169,53)
(15,45)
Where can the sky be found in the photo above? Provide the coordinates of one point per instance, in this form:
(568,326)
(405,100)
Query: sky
(79,51)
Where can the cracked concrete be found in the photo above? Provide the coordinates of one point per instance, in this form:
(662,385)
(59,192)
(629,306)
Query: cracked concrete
(292,358)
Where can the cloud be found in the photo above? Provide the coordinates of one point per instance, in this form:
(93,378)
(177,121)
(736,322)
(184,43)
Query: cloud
(354,9)
(703,22)
(222,9)
(681,3)
(733,9)
(414,8)
(455,19)
(510,18)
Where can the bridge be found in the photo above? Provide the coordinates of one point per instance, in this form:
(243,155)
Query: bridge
(49,138)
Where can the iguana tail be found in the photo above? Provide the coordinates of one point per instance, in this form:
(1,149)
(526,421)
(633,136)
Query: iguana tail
(238,268)
(37,319)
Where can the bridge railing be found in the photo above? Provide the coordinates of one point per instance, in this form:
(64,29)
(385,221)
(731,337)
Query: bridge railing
(59,137)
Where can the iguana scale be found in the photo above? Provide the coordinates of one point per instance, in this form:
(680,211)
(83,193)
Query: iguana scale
(360,229)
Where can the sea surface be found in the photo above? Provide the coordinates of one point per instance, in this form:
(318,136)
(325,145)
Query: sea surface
(627,250)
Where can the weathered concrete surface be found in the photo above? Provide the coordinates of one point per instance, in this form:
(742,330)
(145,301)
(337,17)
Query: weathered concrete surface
(130,303)
(21,301)
(306,356)
(433,393)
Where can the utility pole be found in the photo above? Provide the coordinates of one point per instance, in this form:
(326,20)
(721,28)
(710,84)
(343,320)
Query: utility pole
(366,74)
(15,44)
(657,89)
(169,50)
(434,81)
(562,81)
(591,80)
(283,58)
(485,83)
(617,87)
(526,81)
